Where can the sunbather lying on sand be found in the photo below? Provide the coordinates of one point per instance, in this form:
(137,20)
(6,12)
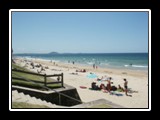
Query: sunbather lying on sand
(74,73)
(82,70)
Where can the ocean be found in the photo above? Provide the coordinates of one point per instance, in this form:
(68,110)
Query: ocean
(134,61)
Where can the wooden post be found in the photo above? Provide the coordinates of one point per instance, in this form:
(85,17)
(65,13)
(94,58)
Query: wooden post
(45,80)
(62,79)
(59,99)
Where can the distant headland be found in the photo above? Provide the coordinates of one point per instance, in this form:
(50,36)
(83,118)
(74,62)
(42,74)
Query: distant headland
(53,53)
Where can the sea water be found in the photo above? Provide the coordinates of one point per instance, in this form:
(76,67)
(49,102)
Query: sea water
(134,61)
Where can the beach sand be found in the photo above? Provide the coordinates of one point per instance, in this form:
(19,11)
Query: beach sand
(137,81)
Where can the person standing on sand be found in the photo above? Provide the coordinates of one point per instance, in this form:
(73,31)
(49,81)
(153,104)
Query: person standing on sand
(93,66)
(109,84)
(96,67)
(126,87)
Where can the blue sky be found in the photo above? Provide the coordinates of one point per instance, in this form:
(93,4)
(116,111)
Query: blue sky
(79,32)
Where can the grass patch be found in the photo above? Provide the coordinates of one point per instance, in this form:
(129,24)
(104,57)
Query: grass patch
(31,77)
(100,106)
(18,67)
(27,105)
(27,76)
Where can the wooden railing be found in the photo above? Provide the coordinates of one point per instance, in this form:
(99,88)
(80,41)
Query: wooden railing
(59,80)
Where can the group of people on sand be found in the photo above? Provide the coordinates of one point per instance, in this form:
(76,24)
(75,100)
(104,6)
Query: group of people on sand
(42,68)
(109,87)
(81,70)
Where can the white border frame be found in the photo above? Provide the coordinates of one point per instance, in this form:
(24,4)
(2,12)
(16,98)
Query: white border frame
(87,10)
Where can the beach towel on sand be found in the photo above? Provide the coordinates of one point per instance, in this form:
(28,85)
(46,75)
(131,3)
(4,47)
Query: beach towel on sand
(114,93)
(83,87)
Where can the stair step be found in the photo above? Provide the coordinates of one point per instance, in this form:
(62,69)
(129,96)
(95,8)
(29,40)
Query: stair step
(14,92)
(32,100)
(44,102)
(16,96)
(21,94)
(21,100)
(39,101)
(27,97)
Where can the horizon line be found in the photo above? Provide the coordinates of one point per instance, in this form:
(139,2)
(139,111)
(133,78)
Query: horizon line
(81,53)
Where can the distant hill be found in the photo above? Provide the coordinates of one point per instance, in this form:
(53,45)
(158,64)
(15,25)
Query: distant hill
(53,53)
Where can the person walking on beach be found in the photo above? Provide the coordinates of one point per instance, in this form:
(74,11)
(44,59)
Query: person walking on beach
(93,66)
(126,87)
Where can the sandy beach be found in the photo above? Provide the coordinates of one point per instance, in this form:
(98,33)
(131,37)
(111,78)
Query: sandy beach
(137,81)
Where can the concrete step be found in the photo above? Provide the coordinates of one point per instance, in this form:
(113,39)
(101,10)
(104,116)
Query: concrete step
(32,100)
(14,92)
(16,96)
(21,94)
(44,102)
(50,105)
(21,100)
(27,97)
(39,101)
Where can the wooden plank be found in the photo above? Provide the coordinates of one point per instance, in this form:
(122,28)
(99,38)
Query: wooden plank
(45,80)
(55,75)
(53,82)
(32,73)
(62,80)
(22,79)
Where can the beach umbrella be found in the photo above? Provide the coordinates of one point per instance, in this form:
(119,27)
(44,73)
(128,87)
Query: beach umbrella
(92,75)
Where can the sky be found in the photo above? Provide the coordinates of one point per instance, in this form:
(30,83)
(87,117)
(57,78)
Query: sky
(80,32)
